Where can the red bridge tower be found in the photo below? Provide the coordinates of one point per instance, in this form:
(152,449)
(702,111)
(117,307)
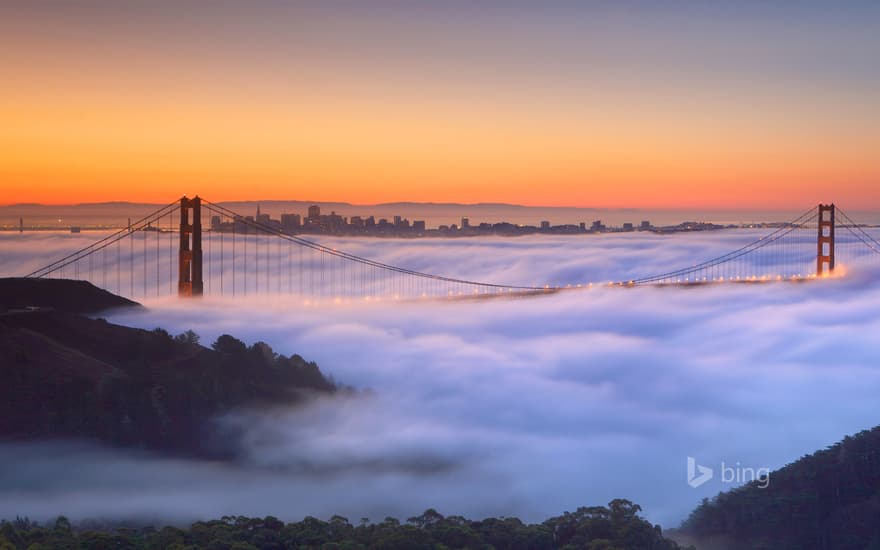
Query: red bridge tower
(189,279)
(825,244)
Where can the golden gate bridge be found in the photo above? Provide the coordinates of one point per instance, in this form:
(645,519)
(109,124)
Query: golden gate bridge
(167,253)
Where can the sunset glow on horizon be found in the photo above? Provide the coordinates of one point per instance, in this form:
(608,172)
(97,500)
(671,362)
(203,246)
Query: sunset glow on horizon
(561,105)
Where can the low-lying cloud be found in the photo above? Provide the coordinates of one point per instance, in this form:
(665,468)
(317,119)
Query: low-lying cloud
(505,407)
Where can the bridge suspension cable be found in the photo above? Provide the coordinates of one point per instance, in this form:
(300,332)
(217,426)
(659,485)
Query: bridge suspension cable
(859,233)
(217,209)
(101,244)
(676,275)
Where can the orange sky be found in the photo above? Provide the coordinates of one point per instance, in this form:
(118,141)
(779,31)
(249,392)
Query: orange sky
(468,114)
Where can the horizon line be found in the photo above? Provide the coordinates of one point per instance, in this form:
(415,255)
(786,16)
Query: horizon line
(415,203)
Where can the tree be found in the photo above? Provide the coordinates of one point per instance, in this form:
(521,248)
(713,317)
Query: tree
(229,344)
(264,353)
(62,526)
(189,337)
(427,519)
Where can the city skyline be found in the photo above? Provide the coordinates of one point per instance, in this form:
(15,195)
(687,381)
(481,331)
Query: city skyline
(405,219)
(563,104)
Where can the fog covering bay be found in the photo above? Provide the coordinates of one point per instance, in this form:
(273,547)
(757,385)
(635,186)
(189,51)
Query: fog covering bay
(523,407)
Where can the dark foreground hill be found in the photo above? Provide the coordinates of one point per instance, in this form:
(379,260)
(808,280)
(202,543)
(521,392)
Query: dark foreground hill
(615,527)
(829,500)
(59,294)
(65,375)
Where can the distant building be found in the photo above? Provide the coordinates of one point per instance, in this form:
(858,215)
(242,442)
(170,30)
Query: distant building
(545,225)
(334,222)
(627,226)
(419,225)
(215,223)
(291,222)
(262,218)
(314,212)
(597,226)
(645,225)
(465,222)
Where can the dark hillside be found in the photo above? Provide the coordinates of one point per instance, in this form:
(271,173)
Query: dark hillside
(60,294)
(69,376)
(828,500)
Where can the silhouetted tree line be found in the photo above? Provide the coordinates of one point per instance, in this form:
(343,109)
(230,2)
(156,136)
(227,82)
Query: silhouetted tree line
(67,376)
(615,527)
(827,500)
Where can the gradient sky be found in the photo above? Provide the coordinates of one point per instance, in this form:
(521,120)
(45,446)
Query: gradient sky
(614,104)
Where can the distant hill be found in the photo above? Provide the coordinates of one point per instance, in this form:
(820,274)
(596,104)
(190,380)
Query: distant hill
(67,376)
(60,294)
(828,500)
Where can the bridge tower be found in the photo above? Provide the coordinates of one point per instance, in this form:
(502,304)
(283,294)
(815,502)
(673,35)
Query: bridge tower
(189,279)
(825,243)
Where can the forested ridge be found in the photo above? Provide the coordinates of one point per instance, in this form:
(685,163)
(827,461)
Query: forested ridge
(828,500)
(617,526)
(67,376)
